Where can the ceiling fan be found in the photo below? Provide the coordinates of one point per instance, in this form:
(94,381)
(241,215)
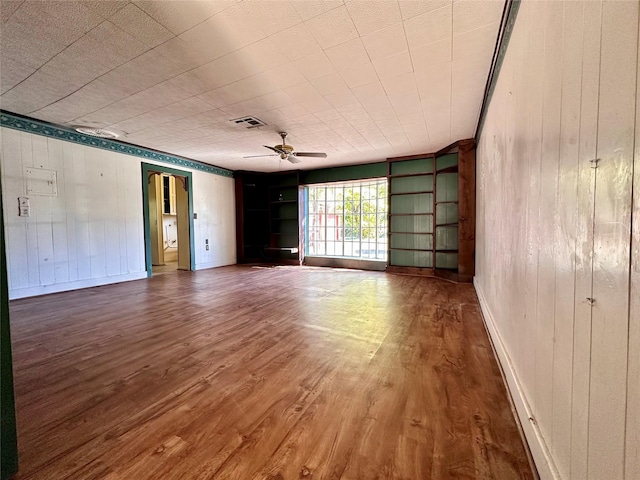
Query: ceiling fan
(286,152)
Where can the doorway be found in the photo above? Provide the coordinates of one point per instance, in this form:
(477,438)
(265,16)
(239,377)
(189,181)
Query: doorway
(168,218)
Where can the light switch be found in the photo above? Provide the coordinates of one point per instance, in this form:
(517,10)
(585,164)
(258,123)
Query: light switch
(24,208)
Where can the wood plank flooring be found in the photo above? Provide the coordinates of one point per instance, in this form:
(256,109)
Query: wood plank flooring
(261,373)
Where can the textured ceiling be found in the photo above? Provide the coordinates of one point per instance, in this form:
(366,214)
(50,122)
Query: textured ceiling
(359,80)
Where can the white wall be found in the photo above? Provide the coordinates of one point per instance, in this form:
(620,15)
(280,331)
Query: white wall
(92,232)
(552,232)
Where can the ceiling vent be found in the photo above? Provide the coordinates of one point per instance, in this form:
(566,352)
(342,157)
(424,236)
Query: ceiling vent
(96,132)
(249,122)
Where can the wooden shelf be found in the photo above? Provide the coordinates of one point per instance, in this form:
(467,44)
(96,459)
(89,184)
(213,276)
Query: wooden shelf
(411,193)
(402,175)
(425,178)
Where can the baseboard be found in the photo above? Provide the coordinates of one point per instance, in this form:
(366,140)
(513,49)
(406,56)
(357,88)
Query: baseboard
(537,446)
(16,293)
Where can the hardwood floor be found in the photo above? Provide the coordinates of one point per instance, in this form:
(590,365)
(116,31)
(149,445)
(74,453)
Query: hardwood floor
(261,373)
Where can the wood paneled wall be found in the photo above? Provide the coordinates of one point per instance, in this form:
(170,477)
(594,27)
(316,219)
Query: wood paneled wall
(92,232)
(553,232)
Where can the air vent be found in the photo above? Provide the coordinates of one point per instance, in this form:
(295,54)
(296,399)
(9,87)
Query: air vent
(96,132)
(249,122)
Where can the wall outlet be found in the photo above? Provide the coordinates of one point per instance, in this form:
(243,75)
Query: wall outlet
(206,247)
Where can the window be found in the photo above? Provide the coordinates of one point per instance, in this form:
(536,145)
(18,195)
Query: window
(348,220)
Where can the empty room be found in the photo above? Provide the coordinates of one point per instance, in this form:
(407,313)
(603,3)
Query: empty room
(320,239)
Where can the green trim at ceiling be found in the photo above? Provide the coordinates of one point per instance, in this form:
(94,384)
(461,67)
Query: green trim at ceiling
(38,127)
(504,35)
(343,174)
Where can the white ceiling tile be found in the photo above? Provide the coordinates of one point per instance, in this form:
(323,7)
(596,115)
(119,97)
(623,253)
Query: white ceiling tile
(347,55)
(362,75)
(273,100)
(241,27)
(262,55)
(179,17)
(208,41)
(169,113)
(312,8)
(35,92)
(469,14)
(273,16)
(476,43)
(12,73)
(372,15)
(37,31)
(429,27)
(293,110)
(235,55)
(296,42)
(386,42)
(225,70)
(342,98)
(116,49)
(88,99)
(7,8)
(394,65)
(179,52)
(308,96)
(281,77)
(117,40)
(137,23)
(332,28)
(190,82)
(329,84)
(372,97)
(413,8)
(314,66)
(398,85)
(142,72)
(428,57)
(105,8)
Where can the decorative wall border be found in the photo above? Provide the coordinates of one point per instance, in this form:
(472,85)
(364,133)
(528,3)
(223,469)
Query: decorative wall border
(38,127)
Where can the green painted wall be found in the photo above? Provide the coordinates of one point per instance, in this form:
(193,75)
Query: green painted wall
(8,439)
(343,174)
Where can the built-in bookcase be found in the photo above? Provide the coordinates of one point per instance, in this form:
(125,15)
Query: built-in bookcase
(432,213)
(252,216)
(267,217)
(284,245)
(411,212)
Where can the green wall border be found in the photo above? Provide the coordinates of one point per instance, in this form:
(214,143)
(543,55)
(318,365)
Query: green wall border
(38,127)
(8,434)
(502,43)
(343,174)
(146,169)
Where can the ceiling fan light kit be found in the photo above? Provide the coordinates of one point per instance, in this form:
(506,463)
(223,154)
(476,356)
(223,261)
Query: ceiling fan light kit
(287,152)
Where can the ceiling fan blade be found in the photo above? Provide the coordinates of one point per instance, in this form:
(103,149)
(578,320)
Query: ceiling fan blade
(255,156)
(292,158)
(311,154)
(272,148)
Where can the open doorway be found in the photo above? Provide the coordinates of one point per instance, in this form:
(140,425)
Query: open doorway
(168,214)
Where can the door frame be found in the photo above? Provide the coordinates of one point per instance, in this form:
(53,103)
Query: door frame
(147,169)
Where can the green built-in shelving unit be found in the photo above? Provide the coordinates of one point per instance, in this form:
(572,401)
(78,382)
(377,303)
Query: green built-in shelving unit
(411,212)
(284,244)
(423,213)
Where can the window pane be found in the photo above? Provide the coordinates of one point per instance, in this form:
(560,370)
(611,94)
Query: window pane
(348,219)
